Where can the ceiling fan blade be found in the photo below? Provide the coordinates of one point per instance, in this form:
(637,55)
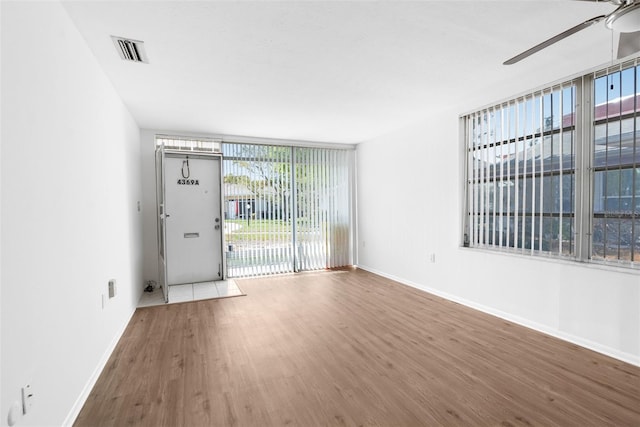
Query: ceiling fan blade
(554,39)
(629,44)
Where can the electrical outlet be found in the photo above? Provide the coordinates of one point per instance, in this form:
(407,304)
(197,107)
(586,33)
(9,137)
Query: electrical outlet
(27,398)
(112,288)
(432,257)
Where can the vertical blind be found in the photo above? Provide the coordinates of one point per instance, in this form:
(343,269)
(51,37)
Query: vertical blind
(558,171)
(323,205)
(520,169)
(286,208)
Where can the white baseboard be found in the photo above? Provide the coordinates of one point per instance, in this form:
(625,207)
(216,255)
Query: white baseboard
(84,395)
(591,345)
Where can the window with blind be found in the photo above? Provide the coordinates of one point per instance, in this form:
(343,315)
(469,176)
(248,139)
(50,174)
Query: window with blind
(521,170)
(286,208)
(616,166)
(557,171)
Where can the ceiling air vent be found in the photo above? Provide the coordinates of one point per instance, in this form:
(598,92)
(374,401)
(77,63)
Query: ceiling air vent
(130,50)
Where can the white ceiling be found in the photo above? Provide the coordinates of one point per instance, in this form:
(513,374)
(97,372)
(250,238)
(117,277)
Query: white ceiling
(332,71)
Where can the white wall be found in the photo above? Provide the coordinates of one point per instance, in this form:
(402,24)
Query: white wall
(70,186)
(409,207)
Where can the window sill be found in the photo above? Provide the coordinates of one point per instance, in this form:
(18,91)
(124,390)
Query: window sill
(626,268)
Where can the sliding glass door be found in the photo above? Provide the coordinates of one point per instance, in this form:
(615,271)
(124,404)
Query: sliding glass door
(286,208)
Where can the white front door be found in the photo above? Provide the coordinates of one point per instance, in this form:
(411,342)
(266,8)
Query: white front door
(193,219)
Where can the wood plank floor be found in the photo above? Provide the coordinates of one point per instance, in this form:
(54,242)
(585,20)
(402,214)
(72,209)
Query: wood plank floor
(350,348)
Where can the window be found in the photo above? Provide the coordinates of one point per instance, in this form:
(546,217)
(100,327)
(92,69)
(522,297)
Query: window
(286,208)
(616,166)
(521,173)
(546,176)
(199,144)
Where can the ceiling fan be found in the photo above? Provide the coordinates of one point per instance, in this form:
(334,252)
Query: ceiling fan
(625,19)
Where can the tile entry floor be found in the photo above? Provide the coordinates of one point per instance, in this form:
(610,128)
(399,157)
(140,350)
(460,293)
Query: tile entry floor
(192,292)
